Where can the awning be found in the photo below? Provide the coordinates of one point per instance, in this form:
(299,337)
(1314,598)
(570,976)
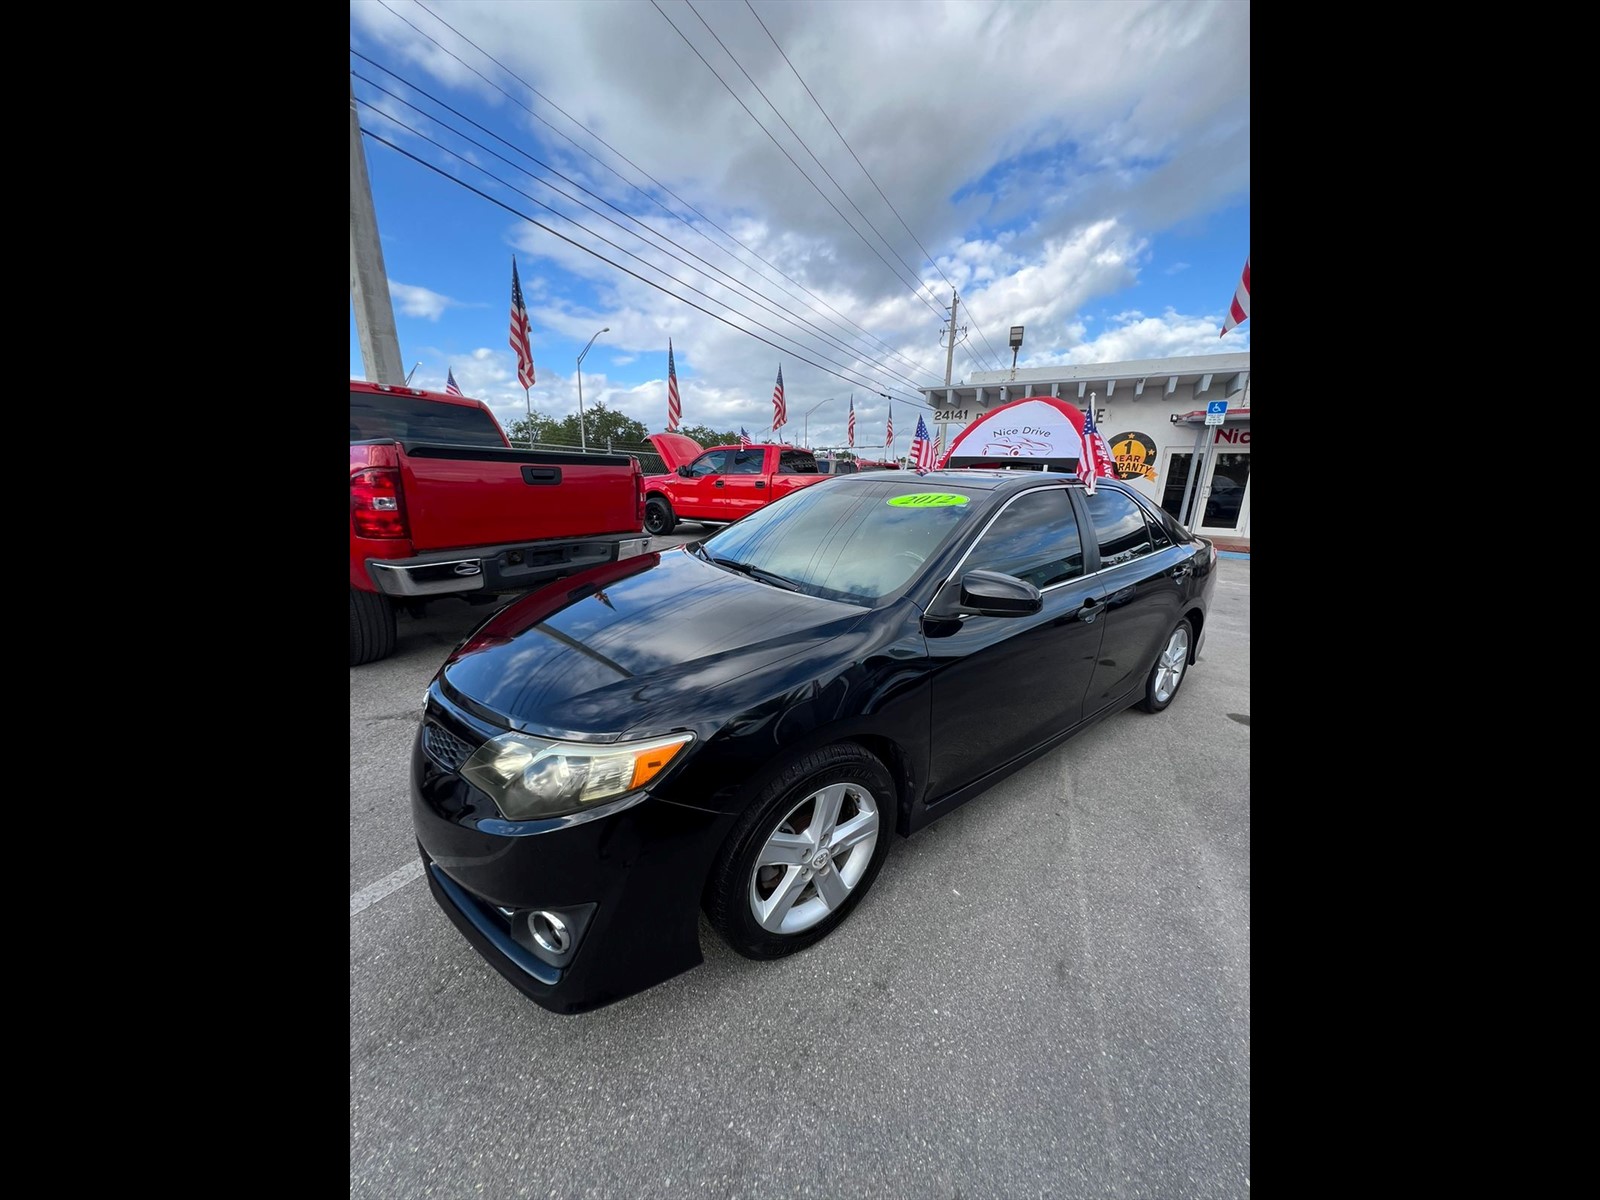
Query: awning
(1198,417)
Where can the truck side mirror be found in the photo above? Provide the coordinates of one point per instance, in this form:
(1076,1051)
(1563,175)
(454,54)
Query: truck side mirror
(684,471)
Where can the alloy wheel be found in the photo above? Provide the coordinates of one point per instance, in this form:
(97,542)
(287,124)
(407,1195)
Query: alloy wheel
(1170,665)
(814,858)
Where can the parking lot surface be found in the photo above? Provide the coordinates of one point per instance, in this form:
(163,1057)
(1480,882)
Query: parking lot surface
(1047,993)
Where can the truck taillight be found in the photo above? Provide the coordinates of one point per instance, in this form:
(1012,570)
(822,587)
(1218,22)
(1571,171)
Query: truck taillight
(376,505)
(638,496)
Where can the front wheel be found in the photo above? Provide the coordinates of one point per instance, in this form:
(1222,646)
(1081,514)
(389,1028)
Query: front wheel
(1167,673)
(804,854)
(658,518)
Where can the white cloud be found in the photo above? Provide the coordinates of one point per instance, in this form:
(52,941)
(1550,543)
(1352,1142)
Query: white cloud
(1039,152)
(419,301)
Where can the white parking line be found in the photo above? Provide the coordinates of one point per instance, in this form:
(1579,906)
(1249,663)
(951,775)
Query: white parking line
(392,882)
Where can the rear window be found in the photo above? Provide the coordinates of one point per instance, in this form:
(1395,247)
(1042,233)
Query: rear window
(411,419)
(797,462)
(847,541)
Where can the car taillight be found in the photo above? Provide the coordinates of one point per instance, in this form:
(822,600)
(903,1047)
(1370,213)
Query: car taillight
(376,505)
(638,497)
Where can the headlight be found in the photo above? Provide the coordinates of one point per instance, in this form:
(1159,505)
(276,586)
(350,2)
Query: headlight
(529,778)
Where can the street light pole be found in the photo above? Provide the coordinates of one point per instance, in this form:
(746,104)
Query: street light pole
(583,436)
(805,421)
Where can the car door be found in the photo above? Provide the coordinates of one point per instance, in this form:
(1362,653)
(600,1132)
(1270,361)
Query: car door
(743,487)
(698,494)
(1002,685)
(1143,578)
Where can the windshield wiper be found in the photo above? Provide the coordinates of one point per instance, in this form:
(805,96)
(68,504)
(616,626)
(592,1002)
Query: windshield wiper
(757,573)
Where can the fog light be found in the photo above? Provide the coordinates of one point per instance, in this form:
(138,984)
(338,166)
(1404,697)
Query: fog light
(550,932)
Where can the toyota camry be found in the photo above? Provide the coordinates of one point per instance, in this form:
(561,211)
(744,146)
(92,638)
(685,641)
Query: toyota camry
(743,725)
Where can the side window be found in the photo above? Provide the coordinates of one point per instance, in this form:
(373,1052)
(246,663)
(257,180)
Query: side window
(746,462)
(708,464)
(1036,538)
(1158,534)
(1164,531)
(1119,527)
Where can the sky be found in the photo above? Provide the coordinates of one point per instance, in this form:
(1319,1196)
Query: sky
(818,174)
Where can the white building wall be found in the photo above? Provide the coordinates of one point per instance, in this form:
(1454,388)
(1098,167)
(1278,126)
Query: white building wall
(1133,419)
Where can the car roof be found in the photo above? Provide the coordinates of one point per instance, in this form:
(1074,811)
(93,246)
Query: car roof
(966,477)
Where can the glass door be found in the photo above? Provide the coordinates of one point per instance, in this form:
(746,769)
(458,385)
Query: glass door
(1226,506)
(1179,464)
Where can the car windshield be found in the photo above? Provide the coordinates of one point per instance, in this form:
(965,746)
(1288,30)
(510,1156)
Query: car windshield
(856,542)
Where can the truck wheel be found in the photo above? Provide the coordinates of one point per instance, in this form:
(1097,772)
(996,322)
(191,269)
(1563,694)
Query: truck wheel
(371,627)
(658,518)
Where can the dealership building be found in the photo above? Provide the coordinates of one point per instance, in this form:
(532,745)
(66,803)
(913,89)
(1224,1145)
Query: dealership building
(1178,428)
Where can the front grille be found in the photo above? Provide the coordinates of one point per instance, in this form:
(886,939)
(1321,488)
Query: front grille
(444,747)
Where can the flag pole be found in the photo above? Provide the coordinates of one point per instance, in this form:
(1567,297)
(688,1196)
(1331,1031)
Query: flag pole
(528,399)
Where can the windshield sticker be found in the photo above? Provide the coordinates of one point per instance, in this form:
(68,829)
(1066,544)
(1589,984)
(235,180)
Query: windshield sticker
(928,500)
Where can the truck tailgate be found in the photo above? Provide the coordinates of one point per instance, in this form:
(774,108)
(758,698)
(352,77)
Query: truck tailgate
(459,496)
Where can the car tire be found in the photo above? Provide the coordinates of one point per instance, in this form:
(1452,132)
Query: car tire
(658,517)
(805,896)
(371,627)
(1167,673)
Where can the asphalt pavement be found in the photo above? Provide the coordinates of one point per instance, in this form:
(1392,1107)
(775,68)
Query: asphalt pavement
(1047,993)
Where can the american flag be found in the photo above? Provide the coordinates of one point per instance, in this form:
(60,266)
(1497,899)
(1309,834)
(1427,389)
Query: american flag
(1095,462)
(519,330)
(921,448)
(450,388)
(674,406)
(938,450)
(1239,311)
(744,438)
(780,414)
(852,422)
(888,434)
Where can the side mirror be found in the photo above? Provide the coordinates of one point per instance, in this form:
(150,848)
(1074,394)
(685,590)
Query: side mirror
(995,595)
(684,471)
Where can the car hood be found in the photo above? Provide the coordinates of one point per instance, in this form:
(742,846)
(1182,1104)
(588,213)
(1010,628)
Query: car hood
(675,449)
(650,644)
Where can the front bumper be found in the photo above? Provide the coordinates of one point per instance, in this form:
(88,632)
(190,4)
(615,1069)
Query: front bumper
(507,568)
(627,883)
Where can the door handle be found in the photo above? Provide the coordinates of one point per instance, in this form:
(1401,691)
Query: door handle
(718,483)
(760,484)
(1087,612)
(1182,570)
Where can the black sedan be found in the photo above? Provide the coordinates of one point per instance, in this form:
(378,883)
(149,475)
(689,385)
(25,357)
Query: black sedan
(742,724)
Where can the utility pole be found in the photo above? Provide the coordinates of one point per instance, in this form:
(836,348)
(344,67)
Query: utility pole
(949,363)
(369,284)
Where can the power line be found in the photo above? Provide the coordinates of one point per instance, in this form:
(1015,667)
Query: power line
(755,296)
(789,156)
(440,171)
(606,240)
(935,262)
(734,59)
(607,166)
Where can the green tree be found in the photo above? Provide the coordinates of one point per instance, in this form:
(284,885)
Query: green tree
(539,428)
(600,425)
(707,436)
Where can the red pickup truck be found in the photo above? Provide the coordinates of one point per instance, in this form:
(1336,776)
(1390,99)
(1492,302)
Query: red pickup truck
(723,483)
(441,504)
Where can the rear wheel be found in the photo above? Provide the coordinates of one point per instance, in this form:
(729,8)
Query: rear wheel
(371,627)
(1167,673)
(804,854)
(658,517)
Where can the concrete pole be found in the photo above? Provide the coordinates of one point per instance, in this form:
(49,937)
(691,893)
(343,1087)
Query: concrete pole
(949,363)
(369,283)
